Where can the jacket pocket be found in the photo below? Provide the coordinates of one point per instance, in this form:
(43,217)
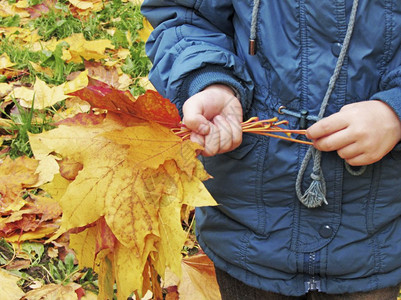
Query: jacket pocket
(248,143)
(235,181)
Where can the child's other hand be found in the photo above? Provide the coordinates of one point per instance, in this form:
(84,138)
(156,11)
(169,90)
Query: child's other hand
(214,115)
(361,133)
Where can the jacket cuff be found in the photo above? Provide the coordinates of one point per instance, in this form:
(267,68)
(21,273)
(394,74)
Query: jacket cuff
(212,74)
(392,97)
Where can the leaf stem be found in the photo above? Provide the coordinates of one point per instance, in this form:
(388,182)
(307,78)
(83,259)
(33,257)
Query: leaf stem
(269,127)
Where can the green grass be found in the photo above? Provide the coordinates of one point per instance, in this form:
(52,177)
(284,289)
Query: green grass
(44,269)
(59,23)
(23,122)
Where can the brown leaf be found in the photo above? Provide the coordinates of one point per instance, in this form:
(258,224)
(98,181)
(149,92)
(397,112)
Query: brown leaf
(69,169)
(53,291)
(99,72)
(198,273)
(38,217)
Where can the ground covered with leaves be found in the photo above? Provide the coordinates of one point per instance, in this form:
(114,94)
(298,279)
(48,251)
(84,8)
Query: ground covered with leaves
(96,190)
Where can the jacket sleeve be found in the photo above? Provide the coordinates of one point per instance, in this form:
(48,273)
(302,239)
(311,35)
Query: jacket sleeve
(192,47)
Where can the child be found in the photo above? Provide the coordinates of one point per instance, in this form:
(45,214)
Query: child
(333,67)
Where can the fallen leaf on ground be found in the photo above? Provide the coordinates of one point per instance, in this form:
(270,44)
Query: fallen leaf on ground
(145,32)
(41,95)
(53,291)
(8,288)
(5,61)
(198,273)
(15,176)
(81,48)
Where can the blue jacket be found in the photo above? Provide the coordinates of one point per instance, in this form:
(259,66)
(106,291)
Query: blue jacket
(260,233)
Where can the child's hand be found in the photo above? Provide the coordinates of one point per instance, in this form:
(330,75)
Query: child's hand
(361,133)
(214,115)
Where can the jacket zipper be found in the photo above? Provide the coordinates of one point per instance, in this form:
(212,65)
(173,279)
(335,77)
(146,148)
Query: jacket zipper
(313,282)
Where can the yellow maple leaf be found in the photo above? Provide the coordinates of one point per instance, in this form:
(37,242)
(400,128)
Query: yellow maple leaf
(41,95)
(81,48)
(86,6)
(5,89)
(81,4)
(145,32)
(137,181)
(8,288)
(5,61)
(39,68)
(46,170)
(137,2)
(19,33)
(77,83)
(7,10)
(22,4)
(32,38)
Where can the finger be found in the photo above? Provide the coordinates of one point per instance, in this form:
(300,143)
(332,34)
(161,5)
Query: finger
(334,141)
(327,126)
(197,138)
(212,141)
(193,117)
(197,123)
(350,151)
(359,160)
(236,129)
(226,134)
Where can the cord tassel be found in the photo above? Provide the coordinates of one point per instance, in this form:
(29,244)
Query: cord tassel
(315,195)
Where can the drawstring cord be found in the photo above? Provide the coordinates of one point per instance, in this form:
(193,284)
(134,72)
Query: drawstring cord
(315,195)
(253,35)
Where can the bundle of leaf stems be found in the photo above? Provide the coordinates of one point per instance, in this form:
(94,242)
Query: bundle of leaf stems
(270,127)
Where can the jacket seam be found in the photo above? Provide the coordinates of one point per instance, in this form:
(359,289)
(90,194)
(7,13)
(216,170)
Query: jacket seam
(244,249)
(372,196)
(388,34)
(341,85)
(259,188)
(304,54)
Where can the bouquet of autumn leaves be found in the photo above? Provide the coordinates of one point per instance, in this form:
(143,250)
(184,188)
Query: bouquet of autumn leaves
(125,184)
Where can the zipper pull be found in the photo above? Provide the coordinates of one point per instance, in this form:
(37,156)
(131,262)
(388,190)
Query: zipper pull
(312,285)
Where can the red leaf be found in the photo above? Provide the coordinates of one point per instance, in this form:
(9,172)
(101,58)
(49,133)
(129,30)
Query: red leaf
(39,9)
(83,119)
(106,239)
(151,106)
